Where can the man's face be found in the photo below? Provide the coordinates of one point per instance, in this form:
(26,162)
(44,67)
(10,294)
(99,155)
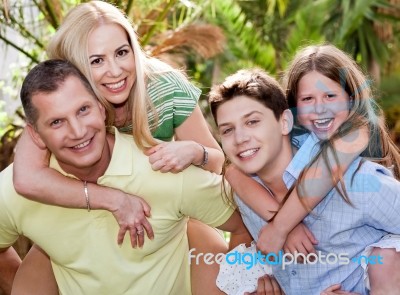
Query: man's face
(71,125)
(251,136)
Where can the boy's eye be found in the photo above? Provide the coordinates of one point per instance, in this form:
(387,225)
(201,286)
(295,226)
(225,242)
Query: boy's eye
(307,98)
(252,122)
(226,131)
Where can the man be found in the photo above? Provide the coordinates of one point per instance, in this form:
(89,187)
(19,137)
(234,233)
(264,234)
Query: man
(254,122)
(64,116)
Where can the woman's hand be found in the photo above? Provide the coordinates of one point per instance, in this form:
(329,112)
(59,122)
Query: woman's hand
(175,156)
(131,213)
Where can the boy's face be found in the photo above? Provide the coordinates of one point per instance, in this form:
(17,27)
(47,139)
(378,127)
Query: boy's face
(70,124)
(251,136)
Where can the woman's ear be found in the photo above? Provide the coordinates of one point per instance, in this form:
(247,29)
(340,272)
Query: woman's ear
(286,122)
(36,137)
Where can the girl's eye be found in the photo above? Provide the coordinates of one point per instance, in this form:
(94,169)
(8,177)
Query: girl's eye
(96,61)
(307,98)
(330,95)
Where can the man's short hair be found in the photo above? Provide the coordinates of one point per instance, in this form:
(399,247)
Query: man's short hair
(47,77)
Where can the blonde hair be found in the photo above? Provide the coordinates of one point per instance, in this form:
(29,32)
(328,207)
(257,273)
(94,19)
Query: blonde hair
(70,42)
(338,66)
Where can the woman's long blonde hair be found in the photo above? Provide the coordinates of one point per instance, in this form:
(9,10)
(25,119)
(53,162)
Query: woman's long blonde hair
(341,68)
(70,42)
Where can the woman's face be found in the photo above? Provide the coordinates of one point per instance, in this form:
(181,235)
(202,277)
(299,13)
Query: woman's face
(112,62)
(322,104)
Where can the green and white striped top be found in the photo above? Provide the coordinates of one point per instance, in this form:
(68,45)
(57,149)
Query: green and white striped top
(174,99)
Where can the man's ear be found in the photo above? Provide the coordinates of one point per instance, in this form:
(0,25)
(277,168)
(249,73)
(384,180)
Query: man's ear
(286,122)
(36,137)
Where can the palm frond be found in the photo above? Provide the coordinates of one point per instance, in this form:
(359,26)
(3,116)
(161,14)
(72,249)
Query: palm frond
(206,40)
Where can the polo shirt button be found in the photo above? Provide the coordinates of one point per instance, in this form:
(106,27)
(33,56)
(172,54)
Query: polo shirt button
(294,273)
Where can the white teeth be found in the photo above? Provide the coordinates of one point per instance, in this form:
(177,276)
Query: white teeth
(323,123)
(248,153)
(115,85)
(82,145)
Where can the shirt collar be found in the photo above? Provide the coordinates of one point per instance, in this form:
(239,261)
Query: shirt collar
(121,162)
(300,160)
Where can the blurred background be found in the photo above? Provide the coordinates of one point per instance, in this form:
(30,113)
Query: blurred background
(211,39)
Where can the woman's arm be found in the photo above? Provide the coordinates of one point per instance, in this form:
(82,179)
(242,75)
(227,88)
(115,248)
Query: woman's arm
(317,184)
(190,136)
(35,180)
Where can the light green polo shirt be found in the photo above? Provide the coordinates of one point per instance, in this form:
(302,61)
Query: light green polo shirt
(82,245)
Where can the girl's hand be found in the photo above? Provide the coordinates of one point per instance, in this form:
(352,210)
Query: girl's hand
(131,212)
(271,238)
(175,156)
(335,289)
(300,240)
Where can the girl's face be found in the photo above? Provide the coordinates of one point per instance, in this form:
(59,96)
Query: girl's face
(112,62)
(250,134)
(322,104)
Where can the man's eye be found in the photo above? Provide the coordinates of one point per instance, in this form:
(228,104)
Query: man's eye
(55,122)
(83,109)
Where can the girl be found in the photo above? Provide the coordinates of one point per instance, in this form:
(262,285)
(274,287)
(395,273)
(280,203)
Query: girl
(143,96)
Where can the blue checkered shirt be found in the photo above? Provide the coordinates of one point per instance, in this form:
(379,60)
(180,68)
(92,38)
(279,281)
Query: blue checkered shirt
(341,229)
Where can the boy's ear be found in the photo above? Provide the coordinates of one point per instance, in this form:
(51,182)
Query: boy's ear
(286,122)
(36,137)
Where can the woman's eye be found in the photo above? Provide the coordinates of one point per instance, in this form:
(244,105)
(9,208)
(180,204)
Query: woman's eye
(122,52)
(96,61)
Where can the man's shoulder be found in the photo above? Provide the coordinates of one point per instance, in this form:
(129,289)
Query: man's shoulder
(6,180)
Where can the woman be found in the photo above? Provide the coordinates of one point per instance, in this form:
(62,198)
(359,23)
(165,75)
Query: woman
(143,96)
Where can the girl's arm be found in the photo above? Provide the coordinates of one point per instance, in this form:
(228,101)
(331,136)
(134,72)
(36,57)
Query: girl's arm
(35,180)
(261,201)
(255,195)
(191,136)
(317,183)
